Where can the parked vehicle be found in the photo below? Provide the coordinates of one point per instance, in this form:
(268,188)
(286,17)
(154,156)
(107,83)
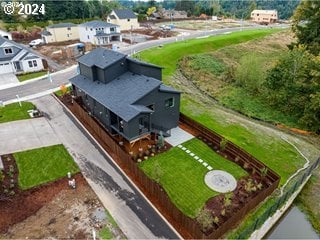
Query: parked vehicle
(35,42)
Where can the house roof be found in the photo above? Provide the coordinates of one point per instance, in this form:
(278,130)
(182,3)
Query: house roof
(121,94)
(164,88)
(264,11)
(20,52)
(124,13)
(96,23)
(62,25)
(143,63)
(101,57)
(46,33)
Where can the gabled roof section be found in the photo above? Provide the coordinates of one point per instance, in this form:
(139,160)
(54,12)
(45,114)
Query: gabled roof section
(124,13)
(62,25)
(164,88)
(96,23)
(101,57)
(143,63)
(18,50)
(119,95)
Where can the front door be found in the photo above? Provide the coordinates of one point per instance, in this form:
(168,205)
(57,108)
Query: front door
(17,66)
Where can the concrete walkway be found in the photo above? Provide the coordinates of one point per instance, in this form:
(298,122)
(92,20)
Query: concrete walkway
(133,213)
(26,134)
(178,136)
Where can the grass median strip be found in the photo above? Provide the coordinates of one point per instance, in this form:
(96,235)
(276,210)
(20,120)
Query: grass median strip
(43,165)
(29,76)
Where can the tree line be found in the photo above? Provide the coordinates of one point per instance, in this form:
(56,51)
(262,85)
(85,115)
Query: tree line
(293,85)
(83,9)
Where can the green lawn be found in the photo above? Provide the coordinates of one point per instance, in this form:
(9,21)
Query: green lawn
(43,165)
(169,54)
(268,148)
(28,76)
(13,112)
(183,177)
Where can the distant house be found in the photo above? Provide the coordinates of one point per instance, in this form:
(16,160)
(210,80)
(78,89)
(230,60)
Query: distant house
(169,14)
(127,96)
(125,18)
(60,32)
(5,34)
(99,32)
(264,16)
(15,58)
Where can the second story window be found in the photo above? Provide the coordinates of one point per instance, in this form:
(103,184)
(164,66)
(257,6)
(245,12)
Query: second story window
(128,19)
(8,51)
(112,29)
(69,28)
(168,103)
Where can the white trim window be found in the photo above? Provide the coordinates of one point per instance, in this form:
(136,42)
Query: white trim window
(8,51)
(33,63)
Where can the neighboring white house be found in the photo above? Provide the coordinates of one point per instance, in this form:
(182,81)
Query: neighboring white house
(15,58)
(5,34)
(99,32)
(125,18)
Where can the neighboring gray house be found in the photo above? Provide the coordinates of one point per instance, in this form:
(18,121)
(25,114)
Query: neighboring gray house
(15,58)
(126,95)
(99,32)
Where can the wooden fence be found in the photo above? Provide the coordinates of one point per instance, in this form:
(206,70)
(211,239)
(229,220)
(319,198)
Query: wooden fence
(185,225)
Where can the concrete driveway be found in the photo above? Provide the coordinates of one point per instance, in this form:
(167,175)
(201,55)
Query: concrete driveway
(26,134)
(8,78)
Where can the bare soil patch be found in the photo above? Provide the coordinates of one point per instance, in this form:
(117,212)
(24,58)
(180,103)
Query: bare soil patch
(51,210)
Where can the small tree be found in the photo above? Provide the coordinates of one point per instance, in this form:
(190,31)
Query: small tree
(157,172)
(205,219)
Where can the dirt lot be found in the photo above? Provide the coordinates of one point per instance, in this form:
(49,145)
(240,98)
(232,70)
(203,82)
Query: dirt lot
(54,210)
(54,51)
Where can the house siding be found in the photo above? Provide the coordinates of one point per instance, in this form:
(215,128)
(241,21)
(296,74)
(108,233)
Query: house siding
(165,117)
(88,72)
(62,34)
(145,70)
(27,68)
(114,71)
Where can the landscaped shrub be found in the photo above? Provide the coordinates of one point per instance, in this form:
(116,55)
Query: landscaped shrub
(223,144)
(205,219)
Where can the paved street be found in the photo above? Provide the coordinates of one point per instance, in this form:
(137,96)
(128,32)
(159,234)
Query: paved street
(26,134)
(132,212)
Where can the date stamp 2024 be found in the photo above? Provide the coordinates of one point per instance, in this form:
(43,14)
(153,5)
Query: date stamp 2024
(21,8)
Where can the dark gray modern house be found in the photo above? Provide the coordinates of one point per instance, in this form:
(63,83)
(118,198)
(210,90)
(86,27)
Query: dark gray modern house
(126,95)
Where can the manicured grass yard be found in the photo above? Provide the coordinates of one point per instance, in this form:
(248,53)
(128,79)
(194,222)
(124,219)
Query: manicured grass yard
(28,76)
(13,112)
(183,177)
(43,165)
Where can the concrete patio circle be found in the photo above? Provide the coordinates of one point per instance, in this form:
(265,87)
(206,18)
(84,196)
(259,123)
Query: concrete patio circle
(220,181)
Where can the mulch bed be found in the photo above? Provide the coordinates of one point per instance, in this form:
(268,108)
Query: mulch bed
(16,207)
